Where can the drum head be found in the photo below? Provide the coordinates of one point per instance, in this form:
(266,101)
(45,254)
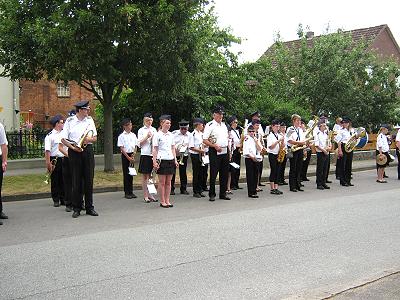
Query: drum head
(362,142)
(381,159)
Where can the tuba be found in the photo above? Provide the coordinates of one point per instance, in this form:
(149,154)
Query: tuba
(355,139)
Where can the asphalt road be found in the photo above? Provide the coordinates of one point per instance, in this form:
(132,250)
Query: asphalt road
(309,245)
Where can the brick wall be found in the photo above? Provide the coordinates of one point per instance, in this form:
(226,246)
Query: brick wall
(42,99)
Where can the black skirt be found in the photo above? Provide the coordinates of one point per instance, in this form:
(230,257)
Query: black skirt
(145,164)
(167,167)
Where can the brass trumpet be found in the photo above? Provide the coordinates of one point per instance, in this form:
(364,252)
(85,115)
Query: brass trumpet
(48,173)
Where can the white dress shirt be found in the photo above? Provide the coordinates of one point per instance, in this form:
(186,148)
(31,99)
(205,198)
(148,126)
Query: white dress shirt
(164,142)
(3,137)
(145,148)
(182,141)
(250,148)
(51,141)
(195,140)
(343,136)
(297,135)
(128,140)
(320,140)
(382,141)
(220,132)
(74,128)
(272,138)
(236,137)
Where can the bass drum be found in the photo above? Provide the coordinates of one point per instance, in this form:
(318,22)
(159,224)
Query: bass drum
(362,141)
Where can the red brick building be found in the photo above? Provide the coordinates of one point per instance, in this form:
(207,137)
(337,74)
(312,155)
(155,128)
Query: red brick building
(379,39)
(43,99)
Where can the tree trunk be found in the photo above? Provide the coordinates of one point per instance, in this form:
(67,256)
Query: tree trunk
(108,133)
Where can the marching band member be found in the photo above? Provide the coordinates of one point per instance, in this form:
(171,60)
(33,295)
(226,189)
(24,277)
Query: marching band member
(231,148)
(145,135)
(282,165)
(344,161)
(382,148)
(3,158)
(54,160)
(256,124)
(336,128)
(235,173)
(251,152)
(127,142)
(197,152)
(307,154)
(322,146)
(164,159)
(216,138)
(274,140)
(81,159)
(295,137)
(181,139)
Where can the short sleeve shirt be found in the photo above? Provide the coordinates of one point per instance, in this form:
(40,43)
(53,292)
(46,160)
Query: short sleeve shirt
(164,142)
(128,141)
(3,137)
(382,141)
(272,138)
(220,132)
(51,142)
(74,128)
(146,147)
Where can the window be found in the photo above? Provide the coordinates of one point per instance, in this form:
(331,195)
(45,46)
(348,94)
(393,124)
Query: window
(63,89)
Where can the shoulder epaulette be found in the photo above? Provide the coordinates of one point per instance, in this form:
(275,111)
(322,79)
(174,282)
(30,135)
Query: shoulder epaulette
(209,123)
(69,118)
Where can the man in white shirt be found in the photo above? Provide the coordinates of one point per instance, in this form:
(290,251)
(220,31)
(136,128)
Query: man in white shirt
(54,158)
(345,159)
(3,158)
(382,149)
(216,138)
(197,154)
(181,140)
(81,126)
(322,145)
(127,142)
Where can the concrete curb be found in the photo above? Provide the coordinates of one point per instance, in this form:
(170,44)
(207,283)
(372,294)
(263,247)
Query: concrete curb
(23,197)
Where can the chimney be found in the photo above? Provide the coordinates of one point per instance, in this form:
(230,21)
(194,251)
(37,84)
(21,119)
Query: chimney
(309,35)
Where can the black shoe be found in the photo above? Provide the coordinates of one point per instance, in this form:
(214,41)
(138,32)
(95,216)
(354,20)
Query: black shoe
(350,184)
(344,184)
(133,195)
(3,216)
(92,212)
(293,190)
(164,206)
(305,179)
(273,192)
(212,199)
(172,193)
(300,190)
(385,176)
(279,192)
(197,195)
(202,195)
(328,181)
(170,205)
(253,196)
(68,208)
(326,187)
(320,187)
(184,192)
(1,223)
(301,185)
(128,196)
(62,203)
(76,214)
(56,204)
(261,184)
(224,198)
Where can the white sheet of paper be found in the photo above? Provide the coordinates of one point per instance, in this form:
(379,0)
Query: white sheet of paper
(132,171)
(235,165)
(152,189)
(206,159)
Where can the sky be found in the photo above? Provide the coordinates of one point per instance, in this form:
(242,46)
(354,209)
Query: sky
(257,22)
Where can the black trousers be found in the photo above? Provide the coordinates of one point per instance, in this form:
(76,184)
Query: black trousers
(304,168)
(128,179)
(204,177)
(345,166)
(82,169)
(296,163)
(182,174)
(197,173)
(281,172)
(260,166)
(274,167)
(329,166)
(322,167)
(1,184)
(252,172)
(219,164)
(235,173)
(398,163)
(57,183)
(67,180)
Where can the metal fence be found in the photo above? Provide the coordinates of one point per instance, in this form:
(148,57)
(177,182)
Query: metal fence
(25,144)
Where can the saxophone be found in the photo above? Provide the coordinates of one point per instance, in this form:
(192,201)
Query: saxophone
(282,152)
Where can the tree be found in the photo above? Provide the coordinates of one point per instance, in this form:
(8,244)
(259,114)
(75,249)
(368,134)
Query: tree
(111,43)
